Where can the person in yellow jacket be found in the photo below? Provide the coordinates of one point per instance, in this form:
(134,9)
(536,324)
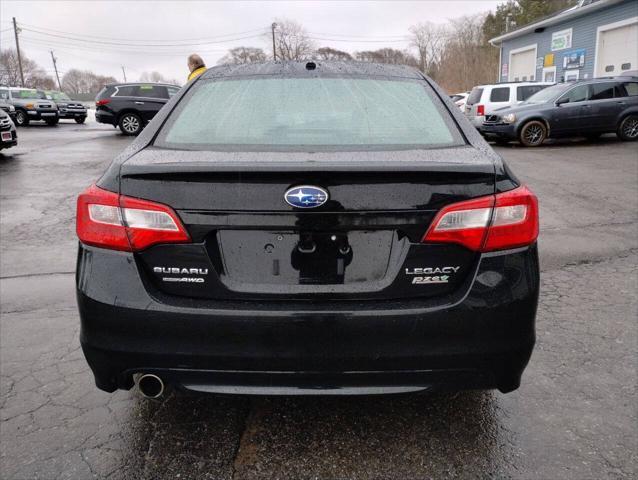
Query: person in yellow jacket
(196,66)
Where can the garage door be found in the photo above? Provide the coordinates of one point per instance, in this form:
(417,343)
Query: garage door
(523,65)
(617,50)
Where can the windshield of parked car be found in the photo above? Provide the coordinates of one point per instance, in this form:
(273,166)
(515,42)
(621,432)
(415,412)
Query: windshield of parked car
(548,94)
(28,94)
(59,96)
(322,113)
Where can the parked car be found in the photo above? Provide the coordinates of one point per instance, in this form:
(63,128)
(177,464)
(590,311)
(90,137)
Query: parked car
(459,99)
(484,99)
(8,134)
(67,108)
(292,228)
(587,108)
(131,106)
(30,105)
(8,109)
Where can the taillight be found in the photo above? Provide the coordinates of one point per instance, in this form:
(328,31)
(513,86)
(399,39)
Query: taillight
(480,110)
(106,219)
(104,101)
(496,222)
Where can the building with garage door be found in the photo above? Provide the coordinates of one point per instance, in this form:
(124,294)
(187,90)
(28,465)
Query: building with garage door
(596,38)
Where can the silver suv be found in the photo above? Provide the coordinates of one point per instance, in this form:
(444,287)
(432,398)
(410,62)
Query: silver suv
(30,104)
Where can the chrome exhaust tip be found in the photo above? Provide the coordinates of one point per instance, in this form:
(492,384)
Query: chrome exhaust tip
(150,386)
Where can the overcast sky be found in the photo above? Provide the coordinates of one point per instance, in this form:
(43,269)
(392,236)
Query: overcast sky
(158,35)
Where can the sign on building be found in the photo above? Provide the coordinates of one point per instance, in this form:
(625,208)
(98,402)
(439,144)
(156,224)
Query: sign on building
(562,40)
(574,58)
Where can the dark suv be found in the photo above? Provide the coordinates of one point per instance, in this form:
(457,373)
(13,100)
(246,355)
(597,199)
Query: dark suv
(131,106)
(67,108)
(585,108)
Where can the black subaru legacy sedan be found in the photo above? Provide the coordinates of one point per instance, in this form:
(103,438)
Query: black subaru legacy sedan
(308,228)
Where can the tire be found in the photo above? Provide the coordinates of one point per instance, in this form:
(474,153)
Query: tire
(80,119)
(52,122)
(22,119)
(628,128)
(533,133)
(130,124)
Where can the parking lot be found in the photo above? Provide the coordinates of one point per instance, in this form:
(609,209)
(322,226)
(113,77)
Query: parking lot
(573,417)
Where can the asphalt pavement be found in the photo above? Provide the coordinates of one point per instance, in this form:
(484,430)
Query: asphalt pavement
(575,415)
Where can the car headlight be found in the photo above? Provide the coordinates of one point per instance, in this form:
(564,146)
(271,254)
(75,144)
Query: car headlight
(12,108)
(509,118)
(29,106)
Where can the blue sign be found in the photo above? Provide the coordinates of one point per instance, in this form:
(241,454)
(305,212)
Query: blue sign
(574,58)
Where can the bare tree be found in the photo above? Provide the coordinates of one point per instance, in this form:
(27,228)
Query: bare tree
(292,41)
(467,58)
(429,40)
(84,81)
(328,53)
(34,76)
(387,55)
(239,55)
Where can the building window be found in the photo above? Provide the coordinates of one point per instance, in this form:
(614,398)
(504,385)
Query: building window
(609,68)
(625,66)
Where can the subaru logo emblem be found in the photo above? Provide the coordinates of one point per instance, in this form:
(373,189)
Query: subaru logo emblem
(306,196)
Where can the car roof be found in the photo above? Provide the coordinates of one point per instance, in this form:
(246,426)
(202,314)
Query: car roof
(513,84)
(313,68)
(125,84)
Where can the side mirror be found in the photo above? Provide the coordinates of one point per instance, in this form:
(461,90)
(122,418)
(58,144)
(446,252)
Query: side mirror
(561,101)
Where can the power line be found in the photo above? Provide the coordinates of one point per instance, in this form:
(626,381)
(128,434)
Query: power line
(173,44)
(262,29)
(111,50)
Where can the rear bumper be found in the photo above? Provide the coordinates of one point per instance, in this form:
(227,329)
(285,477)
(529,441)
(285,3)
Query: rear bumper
(102,116)
(9,143)
(477,121)
(481,338)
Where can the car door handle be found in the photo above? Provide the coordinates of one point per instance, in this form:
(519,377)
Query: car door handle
(621,103)
(139,103)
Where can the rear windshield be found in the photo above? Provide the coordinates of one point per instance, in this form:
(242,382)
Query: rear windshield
(475,96)
(330,113)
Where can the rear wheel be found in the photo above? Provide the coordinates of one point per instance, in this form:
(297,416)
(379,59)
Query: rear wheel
(130,124)
(22,119)
(628,128)
(533,133)
(80,119)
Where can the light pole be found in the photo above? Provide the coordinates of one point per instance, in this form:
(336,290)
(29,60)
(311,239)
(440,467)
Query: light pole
(274,50)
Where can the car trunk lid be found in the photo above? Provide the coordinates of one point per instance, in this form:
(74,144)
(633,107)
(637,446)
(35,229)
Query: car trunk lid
(364,242)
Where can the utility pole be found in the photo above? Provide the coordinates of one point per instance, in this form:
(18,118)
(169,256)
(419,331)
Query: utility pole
(15,31)
(274,50)
(123,72)
(55,67)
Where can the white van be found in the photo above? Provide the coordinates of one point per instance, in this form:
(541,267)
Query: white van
(484,99)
